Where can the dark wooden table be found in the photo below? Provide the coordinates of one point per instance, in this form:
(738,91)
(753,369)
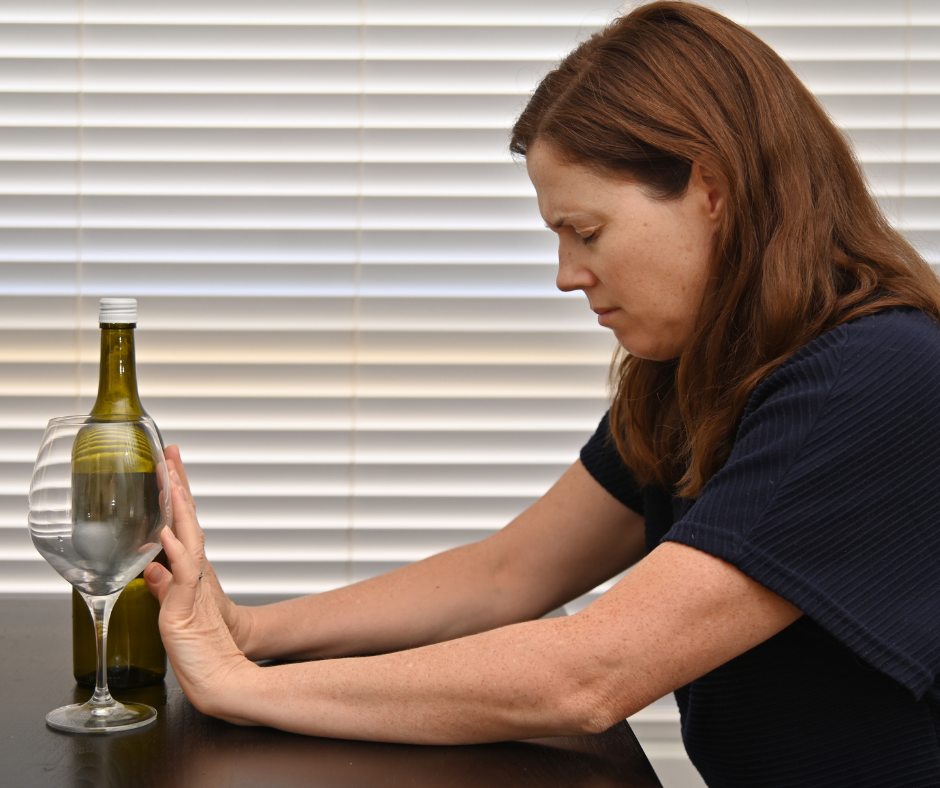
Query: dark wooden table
(186,749)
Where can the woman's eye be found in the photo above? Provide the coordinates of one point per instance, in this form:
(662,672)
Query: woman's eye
(588,239)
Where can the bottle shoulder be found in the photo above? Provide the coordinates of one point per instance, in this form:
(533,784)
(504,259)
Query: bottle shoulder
(113,447)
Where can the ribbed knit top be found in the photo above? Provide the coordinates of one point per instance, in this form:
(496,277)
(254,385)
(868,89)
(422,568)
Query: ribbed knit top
(831,499)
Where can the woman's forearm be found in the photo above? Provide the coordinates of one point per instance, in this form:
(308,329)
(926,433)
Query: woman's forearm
(574,537)
(521,681)
(449,595)
(679,615)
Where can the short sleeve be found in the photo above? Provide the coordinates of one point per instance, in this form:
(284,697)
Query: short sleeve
(831,494)
(602,460)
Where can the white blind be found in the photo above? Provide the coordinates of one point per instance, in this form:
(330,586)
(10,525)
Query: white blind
(348,317)
(347,312)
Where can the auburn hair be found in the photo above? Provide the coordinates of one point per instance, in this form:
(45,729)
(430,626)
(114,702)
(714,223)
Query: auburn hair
(801,245)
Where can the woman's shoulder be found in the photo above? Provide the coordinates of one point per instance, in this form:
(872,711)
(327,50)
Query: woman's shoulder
(897,331)
(878,352)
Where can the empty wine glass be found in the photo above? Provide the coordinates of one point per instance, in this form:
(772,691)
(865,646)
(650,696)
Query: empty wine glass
(98,500)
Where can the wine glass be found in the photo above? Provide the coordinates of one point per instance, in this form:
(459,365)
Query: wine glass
(98,500)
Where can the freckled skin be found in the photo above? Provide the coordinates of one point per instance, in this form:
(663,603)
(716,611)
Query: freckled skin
(646,261)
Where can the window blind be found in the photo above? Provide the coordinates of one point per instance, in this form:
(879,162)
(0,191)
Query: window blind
(347,312)
(348,318)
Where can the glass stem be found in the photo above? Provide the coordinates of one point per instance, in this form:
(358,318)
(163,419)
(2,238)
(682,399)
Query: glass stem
(101,607)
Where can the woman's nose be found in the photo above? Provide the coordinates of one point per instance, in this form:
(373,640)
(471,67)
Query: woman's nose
(572,274)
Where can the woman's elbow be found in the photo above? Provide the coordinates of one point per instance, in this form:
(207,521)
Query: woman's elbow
(588,708)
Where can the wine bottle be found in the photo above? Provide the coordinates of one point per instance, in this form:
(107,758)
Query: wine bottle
(111,503)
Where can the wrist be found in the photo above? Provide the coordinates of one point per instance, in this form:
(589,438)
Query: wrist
(227,702)
(244,617)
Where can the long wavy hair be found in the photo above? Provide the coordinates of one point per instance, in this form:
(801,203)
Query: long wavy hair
(801,246)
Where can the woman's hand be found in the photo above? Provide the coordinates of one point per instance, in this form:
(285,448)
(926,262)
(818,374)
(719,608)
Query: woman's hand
(199,642)
(237,619)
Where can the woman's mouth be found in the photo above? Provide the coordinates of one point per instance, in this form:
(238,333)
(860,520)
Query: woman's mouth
(605,315)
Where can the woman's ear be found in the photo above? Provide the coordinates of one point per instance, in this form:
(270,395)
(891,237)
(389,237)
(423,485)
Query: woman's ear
(709,186)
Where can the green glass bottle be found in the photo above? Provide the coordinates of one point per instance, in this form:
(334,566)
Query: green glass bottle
(136,656)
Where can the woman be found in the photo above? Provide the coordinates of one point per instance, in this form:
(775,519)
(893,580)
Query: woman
(769,462)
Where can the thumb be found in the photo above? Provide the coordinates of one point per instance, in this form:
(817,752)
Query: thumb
(158,580)
(176,589)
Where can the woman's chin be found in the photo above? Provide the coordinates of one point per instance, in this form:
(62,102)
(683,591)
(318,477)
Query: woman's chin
(650,351)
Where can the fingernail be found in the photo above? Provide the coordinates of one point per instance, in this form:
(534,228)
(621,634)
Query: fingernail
(155,573)
(175,477)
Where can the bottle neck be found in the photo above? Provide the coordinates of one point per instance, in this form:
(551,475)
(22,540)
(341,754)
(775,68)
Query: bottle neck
(117,375)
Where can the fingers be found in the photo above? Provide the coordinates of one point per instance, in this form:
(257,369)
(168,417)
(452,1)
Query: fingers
(181,584)
(185,525)
(174,460)
(175,478)
(158,581)
(185,548)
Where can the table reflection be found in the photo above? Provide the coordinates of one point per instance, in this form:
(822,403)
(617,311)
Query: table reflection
(342,763)
(123,759)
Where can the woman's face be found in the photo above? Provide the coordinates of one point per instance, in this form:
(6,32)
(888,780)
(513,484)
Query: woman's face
(642,263)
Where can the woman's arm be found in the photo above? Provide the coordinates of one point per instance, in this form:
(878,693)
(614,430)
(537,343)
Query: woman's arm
(573,538)
(569,541)
(677,615)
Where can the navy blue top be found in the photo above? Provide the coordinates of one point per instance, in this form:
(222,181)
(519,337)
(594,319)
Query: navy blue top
(831,499)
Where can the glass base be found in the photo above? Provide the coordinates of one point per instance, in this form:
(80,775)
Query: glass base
(85,718)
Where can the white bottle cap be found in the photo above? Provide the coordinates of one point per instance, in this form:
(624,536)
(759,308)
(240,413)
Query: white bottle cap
(117,310)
